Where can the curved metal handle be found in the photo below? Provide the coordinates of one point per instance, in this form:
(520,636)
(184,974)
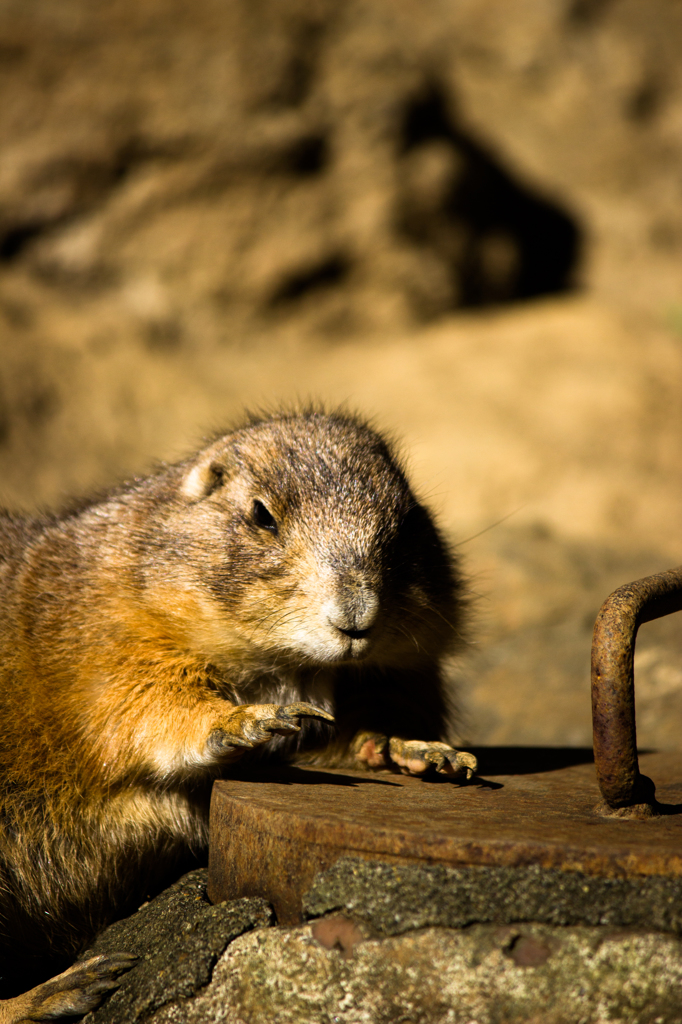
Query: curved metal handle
(613,687)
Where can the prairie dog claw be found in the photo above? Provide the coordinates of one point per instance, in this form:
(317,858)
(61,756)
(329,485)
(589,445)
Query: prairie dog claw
(300,710)
(287,717)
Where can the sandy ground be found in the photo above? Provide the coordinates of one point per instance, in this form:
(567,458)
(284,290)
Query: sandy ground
(241,205)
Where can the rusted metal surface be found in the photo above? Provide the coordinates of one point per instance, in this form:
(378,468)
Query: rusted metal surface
(270,835)
(623,787)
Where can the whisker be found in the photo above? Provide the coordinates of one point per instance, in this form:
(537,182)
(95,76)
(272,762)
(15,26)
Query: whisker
(410,636)
(491,527)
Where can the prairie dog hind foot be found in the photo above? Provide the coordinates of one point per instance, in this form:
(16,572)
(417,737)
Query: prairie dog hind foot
(75,992)
(413,757)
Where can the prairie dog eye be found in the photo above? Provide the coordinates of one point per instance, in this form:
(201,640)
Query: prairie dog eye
(263,518)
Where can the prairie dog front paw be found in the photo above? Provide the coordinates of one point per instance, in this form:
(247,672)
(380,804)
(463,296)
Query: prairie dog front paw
(414,757)
(251,725)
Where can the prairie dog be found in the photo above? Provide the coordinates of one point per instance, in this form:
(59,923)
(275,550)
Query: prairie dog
(241,600)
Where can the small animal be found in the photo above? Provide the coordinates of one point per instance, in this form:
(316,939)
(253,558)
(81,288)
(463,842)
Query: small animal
(281,591)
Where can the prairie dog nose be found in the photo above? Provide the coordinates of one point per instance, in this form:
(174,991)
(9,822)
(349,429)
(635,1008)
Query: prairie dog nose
(353,611)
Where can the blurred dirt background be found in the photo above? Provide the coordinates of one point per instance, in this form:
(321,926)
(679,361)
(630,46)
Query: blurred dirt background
(462,218)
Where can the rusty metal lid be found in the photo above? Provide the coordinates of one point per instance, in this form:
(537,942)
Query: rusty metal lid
(270,834)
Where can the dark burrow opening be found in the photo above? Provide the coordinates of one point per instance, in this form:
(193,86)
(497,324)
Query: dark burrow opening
(331,271)
(15,240)
(500,240)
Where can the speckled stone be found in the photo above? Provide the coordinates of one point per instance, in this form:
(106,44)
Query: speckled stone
(391,944)
(178,937)
(398,898)
(485,974)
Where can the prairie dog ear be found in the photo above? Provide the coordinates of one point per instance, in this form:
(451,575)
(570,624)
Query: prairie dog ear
(205,476)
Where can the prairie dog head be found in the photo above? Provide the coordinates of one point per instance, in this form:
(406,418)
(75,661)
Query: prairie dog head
(298,540)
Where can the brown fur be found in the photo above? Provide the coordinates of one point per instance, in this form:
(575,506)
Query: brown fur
(139,631)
